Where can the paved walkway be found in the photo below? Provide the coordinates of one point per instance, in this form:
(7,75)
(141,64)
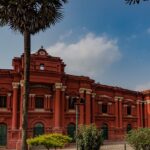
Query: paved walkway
(104,147)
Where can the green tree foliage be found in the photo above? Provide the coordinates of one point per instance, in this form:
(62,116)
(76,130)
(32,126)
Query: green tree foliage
(89,137)
(134,1)
(139,139)
(53,140)
(29,17)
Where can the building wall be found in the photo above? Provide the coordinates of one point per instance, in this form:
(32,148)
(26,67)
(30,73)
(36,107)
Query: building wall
(112,108)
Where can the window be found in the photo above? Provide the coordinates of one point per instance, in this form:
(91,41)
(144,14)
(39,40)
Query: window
(3,100)
(72,101)
(128,110)
(104,108)
(38,129)
(39,102)
(42,67)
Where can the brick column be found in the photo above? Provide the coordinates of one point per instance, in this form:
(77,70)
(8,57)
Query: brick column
(21,99)
(63,105)
(138,114)
(15,104)
(88,107)
(81,107)
(8,101)
(57,106)
(125,109)
(47,102)
(141,113)
(109,108)
(93,107)
(117,111)
(120,112)
(148,113)
(67,103)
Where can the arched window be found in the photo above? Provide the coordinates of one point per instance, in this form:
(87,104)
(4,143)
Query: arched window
(38,129)
(3,135)
(129,127)
(71,130)
(104,129)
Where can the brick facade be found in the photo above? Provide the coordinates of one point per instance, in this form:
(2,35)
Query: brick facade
(52,99)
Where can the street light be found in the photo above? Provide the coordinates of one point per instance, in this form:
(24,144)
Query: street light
(79,101)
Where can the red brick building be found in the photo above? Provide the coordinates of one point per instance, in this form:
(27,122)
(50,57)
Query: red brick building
(52,100)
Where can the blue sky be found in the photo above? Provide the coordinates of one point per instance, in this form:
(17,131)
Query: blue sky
(104,39)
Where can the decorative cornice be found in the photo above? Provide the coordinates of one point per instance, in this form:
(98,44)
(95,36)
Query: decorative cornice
(15,85)
(104,96)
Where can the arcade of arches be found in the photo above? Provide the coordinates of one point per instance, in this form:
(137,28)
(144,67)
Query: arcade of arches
(52,100)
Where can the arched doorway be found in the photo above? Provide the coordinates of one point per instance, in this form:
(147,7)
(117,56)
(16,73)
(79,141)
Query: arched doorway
(71,130)
(38,129)
(129,127)
(3,135)
(104,129)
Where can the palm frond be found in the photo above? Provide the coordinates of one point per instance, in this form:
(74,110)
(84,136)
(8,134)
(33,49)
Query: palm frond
(134,1)
(30,15)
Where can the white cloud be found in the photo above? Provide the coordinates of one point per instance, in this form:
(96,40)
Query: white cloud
(90,56)
(66,35)
(143,87)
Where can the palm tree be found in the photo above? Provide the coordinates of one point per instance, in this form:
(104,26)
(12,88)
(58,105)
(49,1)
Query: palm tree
(134,1)
(29,17)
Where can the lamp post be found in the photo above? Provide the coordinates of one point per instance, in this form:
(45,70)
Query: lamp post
(79,101)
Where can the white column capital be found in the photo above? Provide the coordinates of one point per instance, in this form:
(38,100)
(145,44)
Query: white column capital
(93,95)
(63,88)
(109,103)
(31,95)
(47,95)
(100,102)
(21,83)
(8,94)
(118,98)
(58,85)
(15,85)
(67,97)
(88,91)
(81,90)
(147,101)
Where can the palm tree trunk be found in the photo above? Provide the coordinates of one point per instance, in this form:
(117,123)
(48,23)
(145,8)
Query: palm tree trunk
(27,45)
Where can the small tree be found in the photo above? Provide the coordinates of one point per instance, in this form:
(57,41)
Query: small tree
(139,139)
(54,140)
(89,137)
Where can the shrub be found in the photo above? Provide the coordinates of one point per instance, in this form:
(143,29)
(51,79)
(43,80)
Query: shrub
(89,137)
(53,140)
(139,139)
